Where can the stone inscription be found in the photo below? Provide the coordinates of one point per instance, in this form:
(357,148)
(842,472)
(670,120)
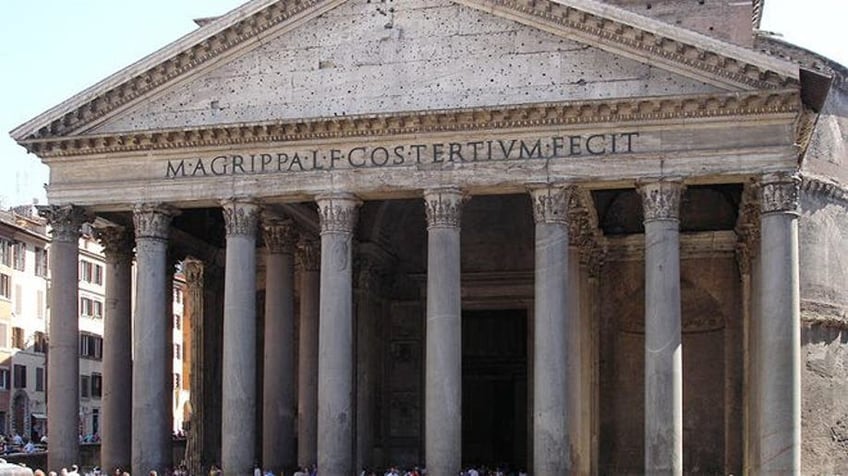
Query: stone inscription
(290,161)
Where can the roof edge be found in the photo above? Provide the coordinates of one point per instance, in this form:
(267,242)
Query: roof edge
(694,38)
(145,64)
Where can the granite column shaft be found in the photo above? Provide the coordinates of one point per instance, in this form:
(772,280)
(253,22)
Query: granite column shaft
(553,352)
(338,216)
(307,390)
(63,364)
(663,339)
(778,328)
(116,446)
(152,366)
(443,368)
(238,403)
(278,402)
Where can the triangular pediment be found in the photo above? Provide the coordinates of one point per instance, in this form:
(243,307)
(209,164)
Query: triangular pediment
(298,60)
(427,55)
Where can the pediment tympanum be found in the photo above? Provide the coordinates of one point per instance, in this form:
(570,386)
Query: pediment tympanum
(418,55)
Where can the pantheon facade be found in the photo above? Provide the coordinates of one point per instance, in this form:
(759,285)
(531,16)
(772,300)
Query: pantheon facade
(571,236)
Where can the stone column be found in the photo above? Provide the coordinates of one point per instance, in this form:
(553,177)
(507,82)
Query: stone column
(663,339)
(443,368)
(778,328)
(63,364)
(555,358)
(193,316)
(116,446)
(309,257)
(152,380)
(338,214)
(369,346)
(238,405)
(278,404)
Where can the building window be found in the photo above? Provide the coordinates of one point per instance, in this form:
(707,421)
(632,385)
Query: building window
(176,380)
(5,252)
(91,346)
(177,351)
(5,379)
(91,272)
(39,305)
(40,342)
(40,262)
(4,334)
(39,379)
(20,376)
(96,385)
(18,338)
(91,308)
(19,300)
(20,255)
(5,286)
(85,386)
(177,320)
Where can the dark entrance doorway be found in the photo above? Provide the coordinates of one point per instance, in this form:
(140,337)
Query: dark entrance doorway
(494,388)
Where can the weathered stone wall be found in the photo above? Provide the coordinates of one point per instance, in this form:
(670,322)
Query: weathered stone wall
(823,237)
(827,154)
(728,20)
(712,402)
(366,57)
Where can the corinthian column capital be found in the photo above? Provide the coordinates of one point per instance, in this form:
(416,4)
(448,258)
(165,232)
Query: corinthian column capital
(65,221)
(550,203)
(117,242)
(309,254)
(280,234)
(780,192)
(153,220)
(661,199)
(338,212)
(443,207)
(241,216)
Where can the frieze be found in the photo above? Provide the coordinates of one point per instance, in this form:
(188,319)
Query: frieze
(779,193)
(661,200)
(241,216)
(443,208)
(338,213)
(65,221)
(754,103)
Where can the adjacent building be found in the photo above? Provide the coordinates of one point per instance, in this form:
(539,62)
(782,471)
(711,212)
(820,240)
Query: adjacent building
(24,317)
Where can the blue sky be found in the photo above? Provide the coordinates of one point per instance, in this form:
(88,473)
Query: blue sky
(53,49)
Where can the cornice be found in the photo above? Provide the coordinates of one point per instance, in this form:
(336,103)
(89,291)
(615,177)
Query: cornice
(221,36)
(569,113)
(588,21)
(817,186)
(633,35)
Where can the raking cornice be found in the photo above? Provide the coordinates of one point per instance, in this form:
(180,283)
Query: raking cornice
(589,21)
